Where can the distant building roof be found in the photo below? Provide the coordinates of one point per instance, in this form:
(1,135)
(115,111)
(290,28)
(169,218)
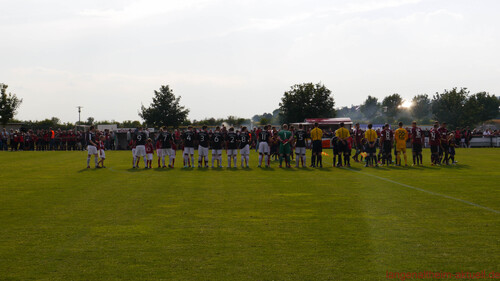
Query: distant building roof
(329,121)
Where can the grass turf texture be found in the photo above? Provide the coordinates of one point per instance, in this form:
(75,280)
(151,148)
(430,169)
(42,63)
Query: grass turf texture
(60,221)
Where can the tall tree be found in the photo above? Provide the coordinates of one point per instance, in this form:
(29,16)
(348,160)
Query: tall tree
(421,107)
(306,100)
(370,107)
(449,107)
(391,105)
(164,110)
(480,107)
(9,104)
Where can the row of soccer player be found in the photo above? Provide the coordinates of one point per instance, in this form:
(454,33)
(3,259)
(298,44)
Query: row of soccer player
(365,144)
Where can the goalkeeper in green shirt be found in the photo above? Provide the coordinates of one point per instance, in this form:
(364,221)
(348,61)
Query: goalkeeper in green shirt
(285,137)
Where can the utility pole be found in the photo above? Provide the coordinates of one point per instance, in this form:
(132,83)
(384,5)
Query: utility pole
(79,111)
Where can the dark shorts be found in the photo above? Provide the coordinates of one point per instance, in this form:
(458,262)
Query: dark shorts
(434,149)
(445,149)
(340,147)
(387,146)
(317,146)
(452,150)
(417,147)
(369,149)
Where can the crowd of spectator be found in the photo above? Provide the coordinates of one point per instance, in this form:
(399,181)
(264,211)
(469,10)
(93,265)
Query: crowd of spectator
(48,140)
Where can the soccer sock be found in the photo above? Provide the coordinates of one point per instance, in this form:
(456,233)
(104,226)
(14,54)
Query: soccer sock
(213,160)
(452,158)
(268,159)
(320,160)
(398,159)
(313,160)
(339,163)
(348,159)
(234,160)
(88,161)
(145,161)
(199,160)
(413,159)
(281,159)
(229,161)
(297,160)
(406,159)
(247,159)
(421,159)
(96,160)
(287,159)
(192,160)
(304,160)
(260,159)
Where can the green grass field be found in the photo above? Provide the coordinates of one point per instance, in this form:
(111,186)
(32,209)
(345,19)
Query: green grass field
(60,221)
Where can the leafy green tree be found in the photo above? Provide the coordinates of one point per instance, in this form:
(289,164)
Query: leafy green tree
(129,124)
(449,107)
(306,100)
(9,104)
(164,110)
(480,107)
(391,105)
(370,108)
(257,117)
(421,107)
(264,121)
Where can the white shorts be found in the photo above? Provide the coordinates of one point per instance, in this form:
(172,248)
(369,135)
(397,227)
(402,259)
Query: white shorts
(140,151)
(216,152)
(163,152)
(202,151)
(102,154)
(300,150)
(189,150)
(171,153)
(92,149)
(245,151)
(232,152)
(264,148)
(149,156)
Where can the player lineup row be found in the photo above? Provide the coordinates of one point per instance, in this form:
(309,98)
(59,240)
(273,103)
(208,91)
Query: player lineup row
(364,142)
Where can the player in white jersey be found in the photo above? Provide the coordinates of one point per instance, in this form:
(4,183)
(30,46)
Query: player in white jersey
(92,147)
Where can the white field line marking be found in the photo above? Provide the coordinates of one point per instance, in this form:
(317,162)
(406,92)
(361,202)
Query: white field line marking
(429,192)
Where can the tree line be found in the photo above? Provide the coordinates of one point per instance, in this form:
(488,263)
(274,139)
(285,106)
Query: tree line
(458,107)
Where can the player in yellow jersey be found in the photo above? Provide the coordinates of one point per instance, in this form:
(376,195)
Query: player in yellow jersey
(401,136)
(370,147)
(342,135)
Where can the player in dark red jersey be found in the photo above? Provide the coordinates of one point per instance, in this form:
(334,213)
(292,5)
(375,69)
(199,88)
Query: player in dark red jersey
(444,147)
(149,153)
(166,140)
(417,139)
(358,141)
(434,141)
(386,143)
(102,154)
